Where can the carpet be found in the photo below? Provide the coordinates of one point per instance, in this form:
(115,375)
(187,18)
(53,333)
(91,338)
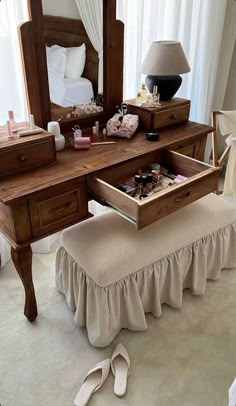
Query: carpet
(185,358)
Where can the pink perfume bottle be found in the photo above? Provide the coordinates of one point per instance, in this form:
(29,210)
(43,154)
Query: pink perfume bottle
(9,130)
(11,120)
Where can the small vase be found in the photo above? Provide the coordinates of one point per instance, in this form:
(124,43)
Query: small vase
(59,142)
(54,128)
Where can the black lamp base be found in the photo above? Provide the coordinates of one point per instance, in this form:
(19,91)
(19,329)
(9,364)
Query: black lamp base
(167,85)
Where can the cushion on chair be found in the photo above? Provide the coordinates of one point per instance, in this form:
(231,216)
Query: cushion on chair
(112,274)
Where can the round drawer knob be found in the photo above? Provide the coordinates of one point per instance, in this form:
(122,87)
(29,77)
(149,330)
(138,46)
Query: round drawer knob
(173,117)
(22,158)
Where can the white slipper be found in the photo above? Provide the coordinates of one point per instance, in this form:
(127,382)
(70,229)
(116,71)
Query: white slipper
(93,381)
(120,366)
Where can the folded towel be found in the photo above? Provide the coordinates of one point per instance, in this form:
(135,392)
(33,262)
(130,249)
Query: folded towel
(232,394)
(227,125)
(230,175)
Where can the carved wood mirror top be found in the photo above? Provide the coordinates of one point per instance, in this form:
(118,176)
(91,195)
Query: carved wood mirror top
(32,39)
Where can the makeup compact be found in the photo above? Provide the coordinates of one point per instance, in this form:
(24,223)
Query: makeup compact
(152,136)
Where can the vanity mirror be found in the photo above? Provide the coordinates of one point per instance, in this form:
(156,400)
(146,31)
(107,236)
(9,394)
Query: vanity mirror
(73,67)
(32,38)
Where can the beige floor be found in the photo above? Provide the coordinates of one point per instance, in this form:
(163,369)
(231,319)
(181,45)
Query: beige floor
(185,358)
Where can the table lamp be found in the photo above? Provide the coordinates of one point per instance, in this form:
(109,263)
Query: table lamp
(163,64)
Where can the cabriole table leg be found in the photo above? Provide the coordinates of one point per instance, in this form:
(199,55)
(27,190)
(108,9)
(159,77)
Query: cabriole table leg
(22,259)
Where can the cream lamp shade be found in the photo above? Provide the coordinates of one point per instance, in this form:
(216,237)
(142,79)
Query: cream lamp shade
(164,62)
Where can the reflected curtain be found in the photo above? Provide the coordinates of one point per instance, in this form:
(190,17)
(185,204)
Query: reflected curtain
(199,26)
(91,13)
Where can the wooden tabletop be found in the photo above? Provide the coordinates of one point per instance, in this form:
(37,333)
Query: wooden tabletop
(72,164)
(6,142)
(164,105)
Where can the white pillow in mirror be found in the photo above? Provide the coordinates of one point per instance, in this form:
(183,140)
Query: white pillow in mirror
(47,52)
(75,62)
(56,60)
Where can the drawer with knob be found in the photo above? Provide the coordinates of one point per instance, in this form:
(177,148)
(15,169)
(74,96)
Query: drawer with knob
(168,113)
(200,179)
(63,206)
(169,117)
(19,154)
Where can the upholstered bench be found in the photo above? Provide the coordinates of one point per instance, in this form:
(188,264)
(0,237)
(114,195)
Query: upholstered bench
(111,274)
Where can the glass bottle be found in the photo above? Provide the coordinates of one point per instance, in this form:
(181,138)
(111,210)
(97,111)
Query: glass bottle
(156,95)
(11,120)
(9,130)
(144,93)
(155,90)
(139,99)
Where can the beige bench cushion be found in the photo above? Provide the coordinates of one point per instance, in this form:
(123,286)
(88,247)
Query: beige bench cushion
(111,274)
(110,248)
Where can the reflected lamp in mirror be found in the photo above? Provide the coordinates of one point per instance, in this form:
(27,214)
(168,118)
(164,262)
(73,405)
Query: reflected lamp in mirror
(163,64)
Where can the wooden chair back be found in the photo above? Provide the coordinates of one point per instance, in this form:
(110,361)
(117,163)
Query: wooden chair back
(217,161)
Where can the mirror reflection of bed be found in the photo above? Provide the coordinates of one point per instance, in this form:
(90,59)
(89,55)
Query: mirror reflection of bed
(73,69)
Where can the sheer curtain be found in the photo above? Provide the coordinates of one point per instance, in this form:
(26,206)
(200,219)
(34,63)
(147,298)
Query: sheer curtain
(91,12)
(12,13)
(12,90)
(199,25)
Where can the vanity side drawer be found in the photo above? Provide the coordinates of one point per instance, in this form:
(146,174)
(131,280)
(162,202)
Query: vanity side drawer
(24,157)
(201,180)
(167,113)
(195,150)
(170,116)
(51,213)
(189,150)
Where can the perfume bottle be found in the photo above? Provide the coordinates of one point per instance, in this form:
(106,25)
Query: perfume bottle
(144,93)
(97,128)
(156,95)
(104,132)
(139,99)
(155,90)
(31,121)
(94,135)
(150,100)
(9,130)
(11,120)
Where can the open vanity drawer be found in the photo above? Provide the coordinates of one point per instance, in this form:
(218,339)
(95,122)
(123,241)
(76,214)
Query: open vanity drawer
(201,180)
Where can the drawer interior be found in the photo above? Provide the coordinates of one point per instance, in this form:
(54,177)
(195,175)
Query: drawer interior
(198,179)
(175,162)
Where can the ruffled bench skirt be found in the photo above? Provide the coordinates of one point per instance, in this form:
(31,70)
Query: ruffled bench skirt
(111,274)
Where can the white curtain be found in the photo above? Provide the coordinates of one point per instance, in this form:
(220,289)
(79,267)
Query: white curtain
(12,13)
(12,90)
(91,13)
(198,25)
(226,55)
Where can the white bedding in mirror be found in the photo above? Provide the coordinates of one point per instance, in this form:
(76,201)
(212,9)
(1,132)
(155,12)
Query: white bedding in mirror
(77,91)
(65,67)
(68,92)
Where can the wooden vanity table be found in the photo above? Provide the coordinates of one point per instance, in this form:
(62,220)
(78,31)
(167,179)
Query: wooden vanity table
(45,200)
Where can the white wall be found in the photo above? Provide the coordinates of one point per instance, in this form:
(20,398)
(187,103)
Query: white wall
(230,96)
(64,8)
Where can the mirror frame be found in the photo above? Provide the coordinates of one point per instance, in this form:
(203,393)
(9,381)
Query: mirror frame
(33,54)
